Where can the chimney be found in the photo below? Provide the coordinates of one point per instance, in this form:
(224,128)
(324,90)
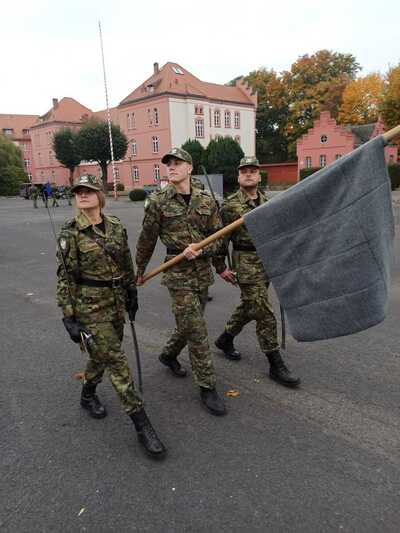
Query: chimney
(156,69)
(55,102)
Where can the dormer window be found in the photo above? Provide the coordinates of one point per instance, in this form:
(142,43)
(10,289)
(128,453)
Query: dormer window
(177,70)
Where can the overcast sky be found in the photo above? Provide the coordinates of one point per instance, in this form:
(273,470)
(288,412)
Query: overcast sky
(50,49)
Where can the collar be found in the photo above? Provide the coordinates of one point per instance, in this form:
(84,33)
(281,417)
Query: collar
(244,199)
(83,222)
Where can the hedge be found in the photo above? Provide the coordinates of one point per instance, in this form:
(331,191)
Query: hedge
(137,195)
(305,172)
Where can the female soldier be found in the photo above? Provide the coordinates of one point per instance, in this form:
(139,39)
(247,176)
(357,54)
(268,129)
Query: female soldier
(96,283)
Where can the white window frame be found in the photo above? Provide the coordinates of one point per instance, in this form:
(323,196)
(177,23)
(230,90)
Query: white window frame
(199,128)
(323,139)
(308,161)
(322,160)
(155,144)
(237,120)
(134,147)
(227,118)
(135,173)
(156,172)
(217,118)
(156,116)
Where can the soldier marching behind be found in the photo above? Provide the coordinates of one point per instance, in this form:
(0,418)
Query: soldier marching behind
(96,284)
(181,215)
(251,278)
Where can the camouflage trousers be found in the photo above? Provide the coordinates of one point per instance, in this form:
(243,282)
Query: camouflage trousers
(191,329)
(108,355)
(255,305)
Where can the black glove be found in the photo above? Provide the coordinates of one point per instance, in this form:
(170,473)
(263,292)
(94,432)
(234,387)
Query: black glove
(132,303)
(74,328)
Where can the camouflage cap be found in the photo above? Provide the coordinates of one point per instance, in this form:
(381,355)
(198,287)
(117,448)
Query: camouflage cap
(89,181)
(249,161)
(179,153)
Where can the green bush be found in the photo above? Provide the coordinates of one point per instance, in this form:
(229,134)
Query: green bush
(394,174)
(264,179)
(305,172)
(137,195)
(11,180)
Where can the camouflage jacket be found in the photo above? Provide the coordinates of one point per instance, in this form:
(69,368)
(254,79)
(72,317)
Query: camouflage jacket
(89,253)
(247,265)
(167,216)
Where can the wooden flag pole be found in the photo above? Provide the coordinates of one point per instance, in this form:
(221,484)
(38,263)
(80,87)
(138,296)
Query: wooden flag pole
(388,136)
(196,246)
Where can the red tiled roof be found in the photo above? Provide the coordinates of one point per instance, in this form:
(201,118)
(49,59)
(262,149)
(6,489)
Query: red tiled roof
(66,110)
(174,79)
(17,123)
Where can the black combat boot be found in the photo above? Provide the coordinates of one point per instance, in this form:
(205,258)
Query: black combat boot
(225,343)
(279,371)
(147,435)
(174,365)
(212,401)
(90,401)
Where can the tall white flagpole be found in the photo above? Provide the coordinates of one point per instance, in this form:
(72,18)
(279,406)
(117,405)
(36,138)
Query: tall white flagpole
(108,117)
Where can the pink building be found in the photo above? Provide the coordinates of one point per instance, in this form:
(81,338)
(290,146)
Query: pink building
(17,128)
(166,110)
(328,141)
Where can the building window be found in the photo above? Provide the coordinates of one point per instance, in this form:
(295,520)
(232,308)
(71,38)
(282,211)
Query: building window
(25,132)
(130,121)
(308,162)
(156,173)
(237,119)
(323,139)
(199,128)
(210,117)
(156,145)
(227,119)
(198,110)
(217,118)
(149,117)
(156,116)
(133,147)
(237,139)
(8,131)
(51,158)
(26,163)
(322,160)
(338,156)
(177,70)
(135,173)
(30,177)
(116,170)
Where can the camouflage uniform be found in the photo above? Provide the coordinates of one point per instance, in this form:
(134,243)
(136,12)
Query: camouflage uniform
(251,276)
(34,193)
(100,309)
(167,216)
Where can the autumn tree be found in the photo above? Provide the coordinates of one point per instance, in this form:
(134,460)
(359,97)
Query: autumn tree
(315,83)
(94,144)
(362,99)
(66,148)
(390,103)
(272,115)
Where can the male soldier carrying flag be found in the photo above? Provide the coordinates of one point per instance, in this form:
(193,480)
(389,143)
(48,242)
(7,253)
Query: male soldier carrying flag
(251,278)
(182,215)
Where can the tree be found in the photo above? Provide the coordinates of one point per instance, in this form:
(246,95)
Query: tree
(272,115)
(361,100)
(315,83)
(65,145)
(222,156)
(196,150)
(390,103)
(12,173)
(94,144)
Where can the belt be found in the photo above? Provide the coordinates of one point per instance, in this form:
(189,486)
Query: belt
(173,251)
(112,283)
(244,247)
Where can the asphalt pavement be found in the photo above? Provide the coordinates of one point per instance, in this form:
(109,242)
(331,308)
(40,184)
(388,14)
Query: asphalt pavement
(323,458)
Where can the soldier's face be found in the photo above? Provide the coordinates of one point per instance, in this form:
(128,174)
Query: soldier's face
(86,198)
(178,170)
(249,177)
